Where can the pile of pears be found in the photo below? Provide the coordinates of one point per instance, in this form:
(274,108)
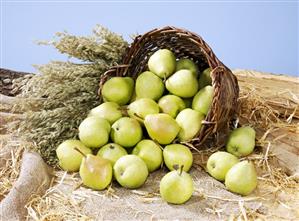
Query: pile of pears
(239,177)
(141,126)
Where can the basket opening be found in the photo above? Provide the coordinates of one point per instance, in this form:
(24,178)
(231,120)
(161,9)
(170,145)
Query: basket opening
(182,46)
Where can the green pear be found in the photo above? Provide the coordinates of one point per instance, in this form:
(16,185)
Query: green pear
(112,152)
(94,132)
(118,90)
(185,63)
(177,155)
(241,141)
(142,107)
(171,104)
(190,122)
(95,172)
(69,158)
(130,171)
(161,127)
(108,110)
(149,85)
(202,101)
(205,78)
(219,163)
(176,187)
(241,178)
(126,132)
(150,152)
(162,63)
(182,83)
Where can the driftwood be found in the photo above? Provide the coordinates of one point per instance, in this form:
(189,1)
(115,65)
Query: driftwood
(7,97)
(6,79)
(279,91)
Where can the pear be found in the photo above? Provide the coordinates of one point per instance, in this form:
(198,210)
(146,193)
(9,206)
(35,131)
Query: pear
(130,171)
(162,63)
(205,78)
(177,155)
(112,152)
(149,85)
(142,107)
(126,132)
(176,187)
(108,110)
(219,163)
(190,122)
(161,127)
(182,83)
(241,141)
(202,101)
(69,158)
(185,63)
(95,172)
(118,90)
(150,152)
(94,131)
(171,104)
(241,178)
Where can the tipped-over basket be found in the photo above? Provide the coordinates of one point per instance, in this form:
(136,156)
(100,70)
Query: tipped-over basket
(185,44)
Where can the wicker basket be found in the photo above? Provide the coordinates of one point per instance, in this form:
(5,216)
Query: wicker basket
(185,44)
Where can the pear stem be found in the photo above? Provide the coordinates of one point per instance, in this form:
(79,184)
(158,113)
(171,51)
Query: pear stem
(181,169)
(136,115)
(124,110)
(77,149)
(164,78)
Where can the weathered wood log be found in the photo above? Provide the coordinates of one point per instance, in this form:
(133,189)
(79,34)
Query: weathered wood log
(279,91)
(7,97)
(6,79)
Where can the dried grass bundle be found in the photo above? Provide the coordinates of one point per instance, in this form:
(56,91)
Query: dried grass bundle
(59,97)
(103,45)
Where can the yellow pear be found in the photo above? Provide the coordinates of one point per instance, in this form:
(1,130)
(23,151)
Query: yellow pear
(202,101)
(190,122)
(161,127)
(182,83)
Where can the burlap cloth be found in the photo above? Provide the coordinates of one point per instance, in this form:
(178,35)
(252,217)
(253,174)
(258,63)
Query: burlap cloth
(34,179)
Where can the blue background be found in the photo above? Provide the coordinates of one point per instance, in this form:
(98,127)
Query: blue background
(250,35)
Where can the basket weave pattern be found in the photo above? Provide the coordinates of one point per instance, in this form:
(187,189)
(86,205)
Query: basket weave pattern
(184,44)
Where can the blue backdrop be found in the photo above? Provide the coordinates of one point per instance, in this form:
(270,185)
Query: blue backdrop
(249,34)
